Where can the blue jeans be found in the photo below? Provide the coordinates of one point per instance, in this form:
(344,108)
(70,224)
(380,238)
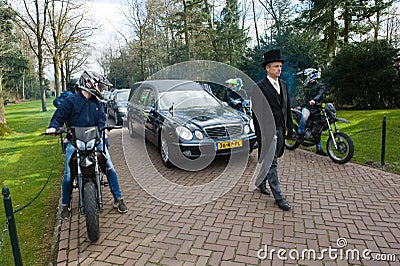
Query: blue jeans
(67,182)
(305,114)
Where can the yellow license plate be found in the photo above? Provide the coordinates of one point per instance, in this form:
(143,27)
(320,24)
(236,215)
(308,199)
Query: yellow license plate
(229,144)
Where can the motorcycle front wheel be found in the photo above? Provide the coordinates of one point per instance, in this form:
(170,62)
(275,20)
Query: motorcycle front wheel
(345,148)
(91,213)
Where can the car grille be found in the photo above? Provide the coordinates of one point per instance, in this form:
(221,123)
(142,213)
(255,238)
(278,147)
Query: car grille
(226,131)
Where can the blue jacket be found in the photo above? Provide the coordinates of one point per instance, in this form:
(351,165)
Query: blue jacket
(77,111)
(57,101)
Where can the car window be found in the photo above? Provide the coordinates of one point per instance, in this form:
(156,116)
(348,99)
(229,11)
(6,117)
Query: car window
(122,96)
(151,99)
(144,94)
(187,99)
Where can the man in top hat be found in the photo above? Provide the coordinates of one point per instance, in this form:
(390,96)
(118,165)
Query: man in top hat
(276,92)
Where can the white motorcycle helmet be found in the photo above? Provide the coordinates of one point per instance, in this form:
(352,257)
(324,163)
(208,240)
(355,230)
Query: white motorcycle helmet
(310,74)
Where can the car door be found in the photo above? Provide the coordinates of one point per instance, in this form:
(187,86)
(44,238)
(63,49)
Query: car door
(137,110)
(150,117)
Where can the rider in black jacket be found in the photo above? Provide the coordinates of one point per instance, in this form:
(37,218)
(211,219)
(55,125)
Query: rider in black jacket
(313,94)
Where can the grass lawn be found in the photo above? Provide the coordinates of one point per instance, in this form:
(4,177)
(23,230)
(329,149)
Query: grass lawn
(25,164)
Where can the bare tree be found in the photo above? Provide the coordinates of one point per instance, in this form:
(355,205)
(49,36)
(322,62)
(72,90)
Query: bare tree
(67,24)
(4,49)
(255,23)
(32,19)
(279,11)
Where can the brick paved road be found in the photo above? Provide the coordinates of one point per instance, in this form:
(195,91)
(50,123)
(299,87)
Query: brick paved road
(329,201)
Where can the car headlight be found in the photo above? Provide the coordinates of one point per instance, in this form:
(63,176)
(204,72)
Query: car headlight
(198,134)
(80,145)
(184,133)
(246,129)
(252,125)
(90,144)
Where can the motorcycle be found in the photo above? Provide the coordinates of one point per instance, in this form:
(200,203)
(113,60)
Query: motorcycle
(339,145)
(88,167)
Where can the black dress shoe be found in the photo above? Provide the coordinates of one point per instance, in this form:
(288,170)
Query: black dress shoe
(283,204)
(263,188)
(321,152)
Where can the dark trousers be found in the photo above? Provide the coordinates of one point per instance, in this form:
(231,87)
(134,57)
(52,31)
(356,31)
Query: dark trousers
(273,181)
(272,175)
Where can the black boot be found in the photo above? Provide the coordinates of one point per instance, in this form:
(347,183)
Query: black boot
(321,152)
(301,138)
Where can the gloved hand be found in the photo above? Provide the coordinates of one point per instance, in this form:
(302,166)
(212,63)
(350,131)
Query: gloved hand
(236,102)
(50,130)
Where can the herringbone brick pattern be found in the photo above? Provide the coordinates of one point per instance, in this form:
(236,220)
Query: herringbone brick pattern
(350,202)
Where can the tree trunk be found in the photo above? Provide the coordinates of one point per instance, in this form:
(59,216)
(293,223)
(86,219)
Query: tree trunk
(2,109)
(63,78)
(23,85)
(41,75)
(255,24)
(56,64)
(185,25)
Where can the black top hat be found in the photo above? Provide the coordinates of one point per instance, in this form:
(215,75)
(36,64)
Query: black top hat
(272,56)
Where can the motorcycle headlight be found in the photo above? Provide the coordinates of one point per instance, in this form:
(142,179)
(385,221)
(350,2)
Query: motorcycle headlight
(80,145)
(198,134)
(90,144)
(252,125)
(122,109)
(246,129)
(184,133)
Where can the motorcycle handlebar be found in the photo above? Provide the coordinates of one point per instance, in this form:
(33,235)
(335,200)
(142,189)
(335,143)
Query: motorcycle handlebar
(109,128)
(62,130)
(58,131)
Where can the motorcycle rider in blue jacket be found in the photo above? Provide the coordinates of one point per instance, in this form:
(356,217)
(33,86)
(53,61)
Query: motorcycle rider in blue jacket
(83,109)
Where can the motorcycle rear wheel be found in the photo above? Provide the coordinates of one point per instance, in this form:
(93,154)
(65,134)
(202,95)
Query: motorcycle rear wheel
(91,213)
(345,148)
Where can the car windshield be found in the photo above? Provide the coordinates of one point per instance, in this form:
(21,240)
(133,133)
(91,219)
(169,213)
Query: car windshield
(122,96)
(186,99)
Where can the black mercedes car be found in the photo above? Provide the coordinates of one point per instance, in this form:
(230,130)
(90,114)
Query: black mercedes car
(181,118)
(117,105)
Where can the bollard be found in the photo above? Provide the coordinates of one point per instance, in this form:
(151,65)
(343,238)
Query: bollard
(11,226)
(383,141)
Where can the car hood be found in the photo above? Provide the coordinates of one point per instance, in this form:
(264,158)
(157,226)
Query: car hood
(203,117)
